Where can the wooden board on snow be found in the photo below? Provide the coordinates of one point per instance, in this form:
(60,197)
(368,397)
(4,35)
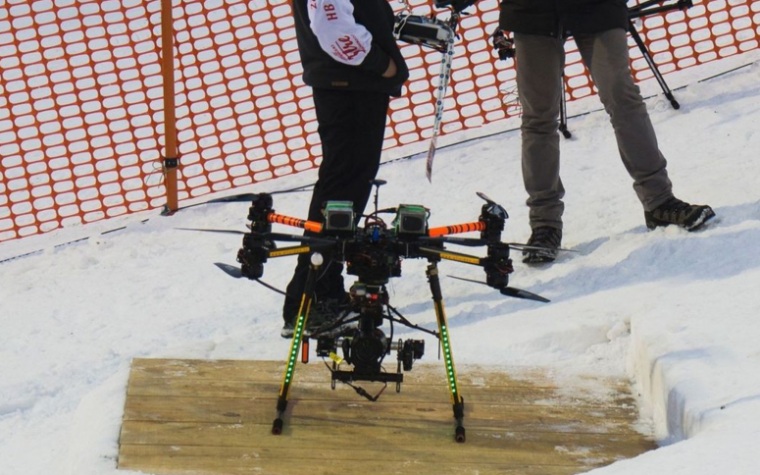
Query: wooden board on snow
(215,417)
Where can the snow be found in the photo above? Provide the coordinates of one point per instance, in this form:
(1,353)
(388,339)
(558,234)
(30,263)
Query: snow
(678,313)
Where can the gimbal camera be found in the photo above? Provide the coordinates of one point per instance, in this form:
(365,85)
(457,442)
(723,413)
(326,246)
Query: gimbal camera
(430,31)
(373,253)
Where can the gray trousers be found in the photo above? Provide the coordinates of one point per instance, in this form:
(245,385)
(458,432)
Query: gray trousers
(540,61)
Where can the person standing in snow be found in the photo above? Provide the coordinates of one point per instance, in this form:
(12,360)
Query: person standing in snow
(599,28)
(352,62)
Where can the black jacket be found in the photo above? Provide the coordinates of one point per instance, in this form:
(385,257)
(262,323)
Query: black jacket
(562,17)
(320,70)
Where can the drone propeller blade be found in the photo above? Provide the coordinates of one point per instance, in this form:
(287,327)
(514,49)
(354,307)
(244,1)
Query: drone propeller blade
(243,197)
(230,270)
(467,280)
(272,236)
(295,238)
(525,247)
(234,271)
(508,291)
(240,198)
(471,242)
(247,197)
(494,208)
(271,287)
(522,294)
(221,231)
(485,197)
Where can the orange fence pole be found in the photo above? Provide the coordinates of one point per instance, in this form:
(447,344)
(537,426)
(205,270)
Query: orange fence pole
(171,159)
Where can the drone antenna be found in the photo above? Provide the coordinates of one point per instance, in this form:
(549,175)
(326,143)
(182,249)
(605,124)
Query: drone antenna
(377,183)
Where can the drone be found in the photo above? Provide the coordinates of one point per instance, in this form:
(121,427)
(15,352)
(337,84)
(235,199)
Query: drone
(373,253)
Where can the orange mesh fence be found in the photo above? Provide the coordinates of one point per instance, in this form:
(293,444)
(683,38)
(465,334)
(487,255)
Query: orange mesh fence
(81,106)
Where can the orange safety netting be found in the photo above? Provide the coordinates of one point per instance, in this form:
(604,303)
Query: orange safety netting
(81,100)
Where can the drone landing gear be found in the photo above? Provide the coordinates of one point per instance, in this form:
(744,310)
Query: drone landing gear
(295,345)
(448,356)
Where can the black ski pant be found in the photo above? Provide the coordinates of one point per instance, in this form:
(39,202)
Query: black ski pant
(351,128)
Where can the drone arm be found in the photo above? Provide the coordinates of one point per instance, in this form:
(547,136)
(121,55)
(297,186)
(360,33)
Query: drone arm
(452,256)
(497,264)
(456,229)
(288,251)
(312,226)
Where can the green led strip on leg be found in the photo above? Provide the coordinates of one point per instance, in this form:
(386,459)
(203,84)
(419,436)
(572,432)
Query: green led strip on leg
(295,345)
(448,355)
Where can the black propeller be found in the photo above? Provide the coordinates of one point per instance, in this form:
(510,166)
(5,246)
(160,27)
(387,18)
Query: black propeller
(474,242)
(247,197)
(494,208)
(294,238)
(220,231)
(509,291)
(230,270)
(234,271)
(270,236)
(525,247)
(470,242)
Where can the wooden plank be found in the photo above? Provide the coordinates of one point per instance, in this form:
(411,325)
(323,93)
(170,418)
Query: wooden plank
(422,373)
(216,377)
(244,461)
(214,417)
(410,391)
(429,443)
(308,411)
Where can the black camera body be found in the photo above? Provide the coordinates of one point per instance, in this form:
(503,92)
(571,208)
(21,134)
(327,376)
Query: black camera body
(456,5)
(422,30)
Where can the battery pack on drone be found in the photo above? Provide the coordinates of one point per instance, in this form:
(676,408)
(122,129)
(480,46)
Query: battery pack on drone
(411,220)
(339,216)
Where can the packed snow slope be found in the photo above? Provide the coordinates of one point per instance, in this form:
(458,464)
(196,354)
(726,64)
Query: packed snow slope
(676,312)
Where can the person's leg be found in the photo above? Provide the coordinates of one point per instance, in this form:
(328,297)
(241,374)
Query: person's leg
(540,61)
(606,56)
(351,129)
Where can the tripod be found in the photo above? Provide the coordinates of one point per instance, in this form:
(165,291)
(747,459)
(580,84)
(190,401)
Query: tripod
(637,11)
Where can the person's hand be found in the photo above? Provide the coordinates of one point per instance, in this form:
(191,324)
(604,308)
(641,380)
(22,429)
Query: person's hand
(391,71)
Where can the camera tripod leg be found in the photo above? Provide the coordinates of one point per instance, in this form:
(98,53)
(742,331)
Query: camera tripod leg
(295,345)
(650,61)
(451,375)
(563,112)
(647,57)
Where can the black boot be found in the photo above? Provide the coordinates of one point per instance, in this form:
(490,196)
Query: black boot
(545,237)
(327,288)
(674,211)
